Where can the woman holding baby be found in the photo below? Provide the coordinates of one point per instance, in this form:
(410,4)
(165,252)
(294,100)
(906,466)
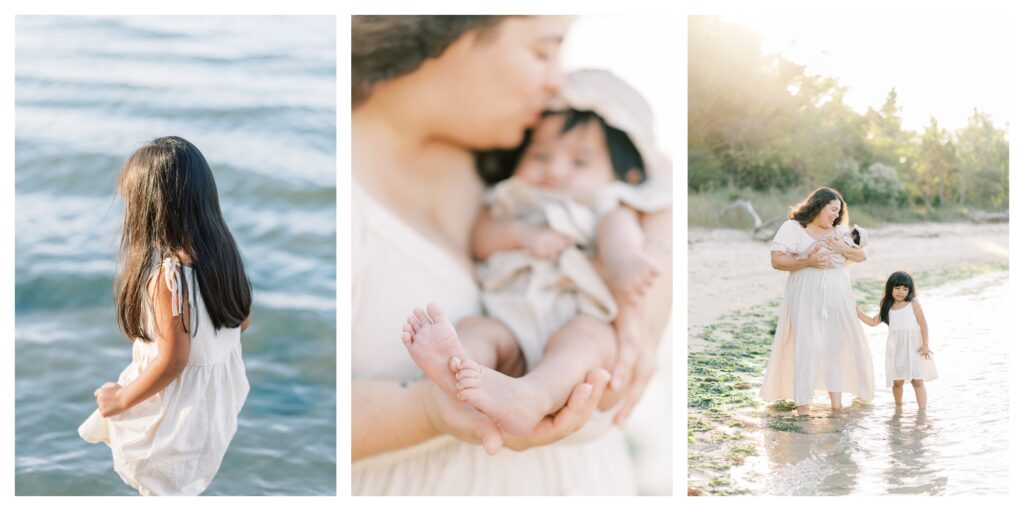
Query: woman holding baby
(819,343)
(429,94)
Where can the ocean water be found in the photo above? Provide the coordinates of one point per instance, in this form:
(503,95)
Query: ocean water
(257,96)
(958,446)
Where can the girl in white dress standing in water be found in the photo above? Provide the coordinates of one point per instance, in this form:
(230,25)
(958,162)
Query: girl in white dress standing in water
(819,343)
(907,356)
(184,299)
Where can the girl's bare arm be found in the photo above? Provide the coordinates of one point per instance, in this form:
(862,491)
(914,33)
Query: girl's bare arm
(245,324)
(870,321)
(921,322)
(172,354)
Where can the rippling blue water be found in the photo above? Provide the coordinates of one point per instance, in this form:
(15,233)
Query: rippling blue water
(257,96)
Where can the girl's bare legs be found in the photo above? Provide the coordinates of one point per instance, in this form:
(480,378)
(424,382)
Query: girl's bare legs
(837,400)
(518,404)
(897,392)
(920,393)
(803,410)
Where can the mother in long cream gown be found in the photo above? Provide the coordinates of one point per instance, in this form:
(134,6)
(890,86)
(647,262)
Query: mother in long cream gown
(428,92)
(819,342)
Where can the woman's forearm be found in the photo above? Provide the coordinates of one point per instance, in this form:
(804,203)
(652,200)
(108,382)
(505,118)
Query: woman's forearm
(786,262)
(388,415)
(617,232)
(656,306)
(856,254)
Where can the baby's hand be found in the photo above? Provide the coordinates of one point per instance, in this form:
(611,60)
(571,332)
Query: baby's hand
(546,243)
(836,245)
(108,399)
(630,274)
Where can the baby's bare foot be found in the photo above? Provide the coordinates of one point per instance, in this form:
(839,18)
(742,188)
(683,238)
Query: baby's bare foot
(434,345)
(515,404)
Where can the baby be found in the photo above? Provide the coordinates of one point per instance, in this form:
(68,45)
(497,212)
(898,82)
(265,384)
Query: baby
(564,259)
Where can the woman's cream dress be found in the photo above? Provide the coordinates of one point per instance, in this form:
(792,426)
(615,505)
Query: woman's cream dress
(394,269)
(173,442)
(819,342)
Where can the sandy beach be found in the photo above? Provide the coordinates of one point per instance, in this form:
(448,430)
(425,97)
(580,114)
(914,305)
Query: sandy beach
(736,442)
(729,271)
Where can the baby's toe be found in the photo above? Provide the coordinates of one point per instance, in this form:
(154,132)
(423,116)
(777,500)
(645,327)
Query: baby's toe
(467,373)
(421,315)
(468,383)
(435,313)
(412,322)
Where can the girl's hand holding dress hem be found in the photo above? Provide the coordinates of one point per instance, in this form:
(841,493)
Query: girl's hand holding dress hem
(109,399)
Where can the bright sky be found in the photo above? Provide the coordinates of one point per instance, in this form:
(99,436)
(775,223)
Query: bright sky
(942,66)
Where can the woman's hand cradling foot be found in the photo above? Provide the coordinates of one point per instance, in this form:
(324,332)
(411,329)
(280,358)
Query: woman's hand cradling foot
(464,422)
(459,419)
(582,402)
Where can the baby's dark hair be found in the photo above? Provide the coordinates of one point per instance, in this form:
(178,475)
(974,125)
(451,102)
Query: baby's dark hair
(498,165)
(899,278)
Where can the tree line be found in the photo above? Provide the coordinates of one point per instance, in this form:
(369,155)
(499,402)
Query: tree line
(761,122)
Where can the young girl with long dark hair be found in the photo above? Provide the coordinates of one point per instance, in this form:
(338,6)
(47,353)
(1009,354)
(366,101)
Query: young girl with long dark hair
(183,298)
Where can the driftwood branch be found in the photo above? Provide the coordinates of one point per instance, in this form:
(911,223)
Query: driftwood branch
(763,230)
(988,217)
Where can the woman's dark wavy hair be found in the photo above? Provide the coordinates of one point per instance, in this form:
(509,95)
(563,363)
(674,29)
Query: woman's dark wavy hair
(498,165)
(900,278)
(386,47)
(171,208)
(808,209)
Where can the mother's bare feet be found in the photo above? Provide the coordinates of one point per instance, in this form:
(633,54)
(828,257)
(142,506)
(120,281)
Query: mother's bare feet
(516,404)
(434,345)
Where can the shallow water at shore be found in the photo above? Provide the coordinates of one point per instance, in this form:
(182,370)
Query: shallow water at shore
(957,446)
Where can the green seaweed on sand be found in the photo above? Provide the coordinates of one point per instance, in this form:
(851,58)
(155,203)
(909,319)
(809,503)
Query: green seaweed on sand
(782,406)
(788,424)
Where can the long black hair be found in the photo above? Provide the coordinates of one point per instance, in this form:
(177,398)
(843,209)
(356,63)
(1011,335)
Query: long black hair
(806,211)
(899,278)
(171,208)
(627,163)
